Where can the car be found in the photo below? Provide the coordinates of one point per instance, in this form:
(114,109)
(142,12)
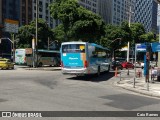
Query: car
(6,64)
(116,64)
(127,65)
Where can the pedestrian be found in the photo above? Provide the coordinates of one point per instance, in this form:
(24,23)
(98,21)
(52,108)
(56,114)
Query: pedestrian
(153,74)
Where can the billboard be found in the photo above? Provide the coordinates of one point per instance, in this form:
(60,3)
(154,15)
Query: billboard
(11,25)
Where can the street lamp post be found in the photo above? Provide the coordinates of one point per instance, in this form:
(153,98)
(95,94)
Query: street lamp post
(113,55)
(159,41)
(36,43)
(129,22)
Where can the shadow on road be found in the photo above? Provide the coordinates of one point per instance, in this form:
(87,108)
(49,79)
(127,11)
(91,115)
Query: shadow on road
(93,78)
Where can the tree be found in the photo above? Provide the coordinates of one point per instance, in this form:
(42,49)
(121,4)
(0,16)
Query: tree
(27,32)
(115,37)
(137,30)
(59,33)
(78,23)
(148,37)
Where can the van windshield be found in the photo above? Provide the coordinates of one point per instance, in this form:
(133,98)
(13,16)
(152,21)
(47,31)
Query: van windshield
(73,48)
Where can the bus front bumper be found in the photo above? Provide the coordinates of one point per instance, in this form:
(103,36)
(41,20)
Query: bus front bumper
(75,71)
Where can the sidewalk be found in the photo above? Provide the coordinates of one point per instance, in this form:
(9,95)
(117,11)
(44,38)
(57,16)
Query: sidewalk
(149,89)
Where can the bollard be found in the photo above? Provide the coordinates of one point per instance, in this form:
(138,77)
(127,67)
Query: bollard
(120,75)
(139,73)
(116,70)
(128,72)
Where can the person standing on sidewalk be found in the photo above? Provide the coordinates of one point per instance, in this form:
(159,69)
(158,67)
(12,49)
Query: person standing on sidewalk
(153,74)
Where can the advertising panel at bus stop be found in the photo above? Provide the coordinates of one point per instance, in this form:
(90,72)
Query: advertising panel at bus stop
(155,47)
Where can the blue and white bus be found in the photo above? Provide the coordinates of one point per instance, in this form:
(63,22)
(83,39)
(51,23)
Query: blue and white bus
(81,58)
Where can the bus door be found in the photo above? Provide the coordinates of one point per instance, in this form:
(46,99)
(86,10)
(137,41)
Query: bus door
(73,56)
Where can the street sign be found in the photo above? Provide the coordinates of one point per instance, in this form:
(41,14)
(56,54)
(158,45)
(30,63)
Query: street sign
(141,47)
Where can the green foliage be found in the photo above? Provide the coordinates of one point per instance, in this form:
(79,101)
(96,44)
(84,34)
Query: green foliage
(148,37)
(78,23)
(59,33)
(137,30)
(116,36)
(27,32)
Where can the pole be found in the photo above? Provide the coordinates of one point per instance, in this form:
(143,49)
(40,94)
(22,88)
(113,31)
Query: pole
(147,63)
(36,55)
(13,48)
(135,53)
(129,22)
(159,52)
(33,51)
(128,41)
(48,43)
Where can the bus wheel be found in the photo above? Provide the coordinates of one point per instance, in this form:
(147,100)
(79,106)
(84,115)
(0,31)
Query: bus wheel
(98,71)
(40,64)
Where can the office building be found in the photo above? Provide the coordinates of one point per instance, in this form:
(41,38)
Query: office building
(117,11)
(146,13)
(1,24)
(10,9)
(44,12)
(112,11)
(25,12)
(158,19)
(90,5)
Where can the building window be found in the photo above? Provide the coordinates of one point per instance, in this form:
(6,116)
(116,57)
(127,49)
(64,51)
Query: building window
(40,16)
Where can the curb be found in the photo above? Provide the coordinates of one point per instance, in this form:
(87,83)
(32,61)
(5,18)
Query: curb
(45,69)
(143,92)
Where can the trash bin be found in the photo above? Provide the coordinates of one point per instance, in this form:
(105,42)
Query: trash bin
(158,74)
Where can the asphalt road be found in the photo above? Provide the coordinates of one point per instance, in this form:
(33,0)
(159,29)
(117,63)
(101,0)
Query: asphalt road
(31,90)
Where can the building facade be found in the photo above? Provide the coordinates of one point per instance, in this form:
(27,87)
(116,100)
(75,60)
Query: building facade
(25,12)
(1,24)
(90,5)
(146,13)
(11,9)
(44,12)
(158,19)
(112,11)
(117,11)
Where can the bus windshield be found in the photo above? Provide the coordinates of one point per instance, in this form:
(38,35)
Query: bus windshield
(73,48)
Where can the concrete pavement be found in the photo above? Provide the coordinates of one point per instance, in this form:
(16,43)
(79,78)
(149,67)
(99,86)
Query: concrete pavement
(139,86)
(152,88)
